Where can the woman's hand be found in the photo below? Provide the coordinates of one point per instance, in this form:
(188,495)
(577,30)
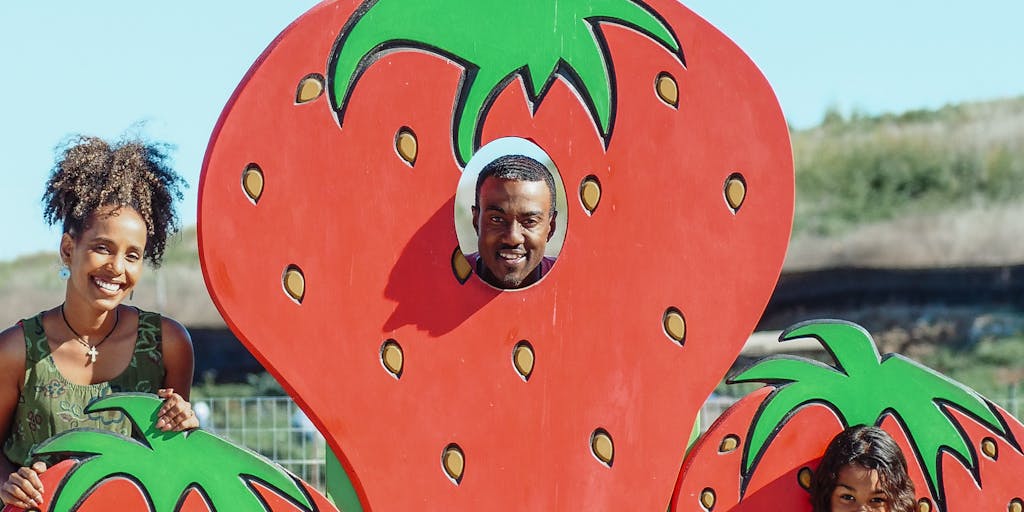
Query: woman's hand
(23,487)
(176,414)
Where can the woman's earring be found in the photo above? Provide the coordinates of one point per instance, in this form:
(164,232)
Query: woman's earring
(64,273)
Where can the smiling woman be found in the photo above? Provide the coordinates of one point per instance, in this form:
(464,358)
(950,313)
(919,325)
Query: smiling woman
(115,204)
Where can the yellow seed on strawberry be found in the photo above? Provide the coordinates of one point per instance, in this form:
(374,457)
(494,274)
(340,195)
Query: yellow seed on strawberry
(989,448)
(392,357)
(406,145)
(707,499)
(454,462)
(252,182)
(310,88)
(735,191)
(590,193)
(294,283)
(675,325)
(668,89)
(602,446)
(729,443)
(523,359)
(460,266)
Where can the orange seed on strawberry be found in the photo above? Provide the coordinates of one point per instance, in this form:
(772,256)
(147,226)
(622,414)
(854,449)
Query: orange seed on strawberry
(803,477)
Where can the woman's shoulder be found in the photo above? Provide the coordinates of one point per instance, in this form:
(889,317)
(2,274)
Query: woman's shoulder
(173,332)
(12,348)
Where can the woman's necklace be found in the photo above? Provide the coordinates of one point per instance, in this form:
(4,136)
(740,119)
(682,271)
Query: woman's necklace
(92,353)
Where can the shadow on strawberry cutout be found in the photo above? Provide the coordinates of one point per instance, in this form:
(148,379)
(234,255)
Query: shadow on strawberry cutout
(962,450)
(328,242)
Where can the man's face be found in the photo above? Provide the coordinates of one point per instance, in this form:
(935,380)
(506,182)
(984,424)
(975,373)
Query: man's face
(514,221)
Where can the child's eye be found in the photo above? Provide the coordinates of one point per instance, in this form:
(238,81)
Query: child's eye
(846,497)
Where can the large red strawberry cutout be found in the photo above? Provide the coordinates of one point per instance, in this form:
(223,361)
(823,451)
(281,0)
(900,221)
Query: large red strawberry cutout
(963,452)
(328,242)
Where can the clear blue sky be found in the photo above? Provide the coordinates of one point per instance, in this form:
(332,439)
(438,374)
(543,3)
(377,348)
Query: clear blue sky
(101,67)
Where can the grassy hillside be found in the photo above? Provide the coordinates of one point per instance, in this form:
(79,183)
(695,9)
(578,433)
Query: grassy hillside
(922,188)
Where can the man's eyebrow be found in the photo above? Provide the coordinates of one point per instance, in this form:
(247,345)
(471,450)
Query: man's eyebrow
(496,208)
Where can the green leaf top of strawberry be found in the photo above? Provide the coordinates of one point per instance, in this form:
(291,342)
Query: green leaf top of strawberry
(165,464)
(861,388)
(495,41)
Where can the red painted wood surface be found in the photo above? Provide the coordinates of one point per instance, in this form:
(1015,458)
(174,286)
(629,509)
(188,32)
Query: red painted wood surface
(373,238)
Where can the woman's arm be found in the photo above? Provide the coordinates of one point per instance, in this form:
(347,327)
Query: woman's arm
(21,486)
(176,414)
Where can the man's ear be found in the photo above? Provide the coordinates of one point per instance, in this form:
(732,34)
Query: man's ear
(67,246)
(552,224)
(476,221)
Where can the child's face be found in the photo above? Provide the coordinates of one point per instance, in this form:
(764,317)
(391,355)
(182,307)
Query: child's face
(858,489)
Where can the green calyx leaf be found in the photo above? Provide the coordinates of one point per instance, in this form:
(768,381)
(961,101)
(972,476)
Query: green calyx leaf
(495,41)
(859,388)
(165,464)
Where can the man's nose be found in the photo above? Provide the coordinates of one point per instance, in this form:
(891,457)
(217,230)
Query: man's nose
(514,234)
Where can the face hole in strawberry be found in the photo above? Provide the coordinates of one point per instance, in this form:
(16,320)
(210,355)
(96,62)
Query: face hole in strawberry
(453,462)
(392,357)
(803,477)
(1016,505)
(667,88)
(310,88)
(523,359)
(602,446)
(509,230)
(252,182)
(729,443)
(590,193)
(924,505)
(294,282)
(460,266)
(735,191)
(406,145)
(675,325)
(708,499)
(989,448)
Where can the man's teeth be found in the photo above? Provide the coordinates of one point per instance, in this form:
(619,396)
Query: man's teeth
(510,255)
(110,287)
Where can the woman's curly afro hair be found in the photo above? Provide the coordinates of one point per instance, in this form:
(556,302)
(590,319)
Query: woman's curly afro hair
(91,174)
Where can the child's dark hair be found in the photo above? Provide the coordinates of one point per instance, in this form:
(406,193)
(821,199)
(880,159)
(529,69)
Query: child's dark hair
(869,448)
(91,173)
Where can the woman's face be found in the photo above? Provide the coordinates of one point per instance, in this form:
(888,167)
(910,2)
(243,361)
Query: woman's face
(106,259)
(858,489)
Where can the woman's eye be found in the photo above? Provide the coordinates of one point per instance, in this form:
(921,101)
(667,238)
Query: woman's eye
(132,257)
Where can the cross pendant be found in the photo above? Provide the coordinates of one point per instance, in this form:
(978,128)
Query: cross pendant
(92,353)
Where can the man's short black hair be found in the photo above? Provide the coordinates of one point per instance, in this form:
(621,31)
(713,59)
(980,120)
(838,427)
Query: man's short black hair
(516,168)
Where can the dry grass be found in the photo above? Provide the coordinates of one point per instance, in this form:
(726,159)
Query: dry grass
(983,236)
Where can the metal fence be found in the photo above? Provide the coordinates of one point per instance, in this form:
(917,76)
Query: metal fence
(276,428)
